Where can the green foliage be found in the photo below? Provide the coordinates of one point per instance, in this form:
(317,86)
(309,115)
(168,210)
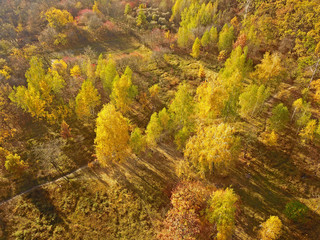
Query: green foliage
(221,211)
(213,36)
(182,110)
(154,130)
(87,100)
(141,18)
(301,112)
(137,141)
(226,38)
(112,135)
(296,211)
(108,74)
(123,91)
(42,97)
(205,40)
(280,117)
(164,118)
(252,100)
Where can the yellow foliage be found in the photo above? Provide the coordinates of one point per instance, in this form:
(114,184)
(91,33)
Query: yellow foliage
(112,135)
(213,146)
(5,72)
(307,133)
(270,139)
(271,229)
(75,71)
(58,18)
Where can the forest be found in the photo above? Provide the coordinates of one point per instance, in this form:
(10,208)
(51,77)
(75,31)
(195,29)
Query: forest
(160,119)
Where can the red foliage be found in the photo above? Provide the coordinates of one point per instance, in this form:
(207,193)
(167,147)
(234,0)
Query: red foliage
(241,41)
(65,130)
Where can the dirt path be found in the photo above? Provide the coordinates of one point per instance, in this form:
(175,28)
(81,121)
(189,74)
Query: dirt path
(42,185)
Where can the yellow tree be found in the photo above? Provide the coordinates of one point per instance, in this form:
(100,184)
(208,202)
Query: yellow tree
(271,229)
(213,147)
(112,135)
(87,100)
(58,18)
(154,130)
(196,48)
(270,70)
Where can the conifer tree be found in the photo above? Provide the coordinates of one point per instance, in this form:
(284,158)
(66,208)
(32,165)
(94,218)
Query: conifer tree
(205,40)
(196,48)
(226,37)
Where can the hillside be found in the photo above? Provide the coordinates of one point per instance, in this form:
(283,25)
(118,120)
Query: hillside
(160,119)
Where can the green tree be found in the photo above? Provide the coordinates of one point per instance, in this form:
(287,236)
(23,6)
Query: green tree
(280,117)
(213,36)
(252,99)
(205,40)
(108,74)
(87,101)
(301,112)
(226,37)
(123,91)
(196,48)
(141,18)
(164,118)
(112,135)
(137,141)
(221,211)
(271,229)
(296,210)
(154,130)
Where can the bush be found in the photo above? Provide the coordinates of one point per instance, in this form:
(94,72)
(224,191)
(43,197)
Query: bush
(296,210)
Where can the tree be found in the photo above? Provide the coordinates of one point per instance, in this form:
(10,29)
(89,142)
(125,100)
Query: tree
(112,135)
(75,71)
(123,91)
(137,141)
(270,139)
(271,229)
(107,74)
(301,112)
(183,220)
(65,131)
(14,164)
(154,130)
(57,18)
(141,19)
(296,210)
(164,118)
(213,147)
(210,99)
(280,117)
(221,211)
(127,9)
(252,99)
(87,100)
(213,36)
(205,40)
(196,48)
(307,133)
(270,70)
(226,37)
(181,110)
